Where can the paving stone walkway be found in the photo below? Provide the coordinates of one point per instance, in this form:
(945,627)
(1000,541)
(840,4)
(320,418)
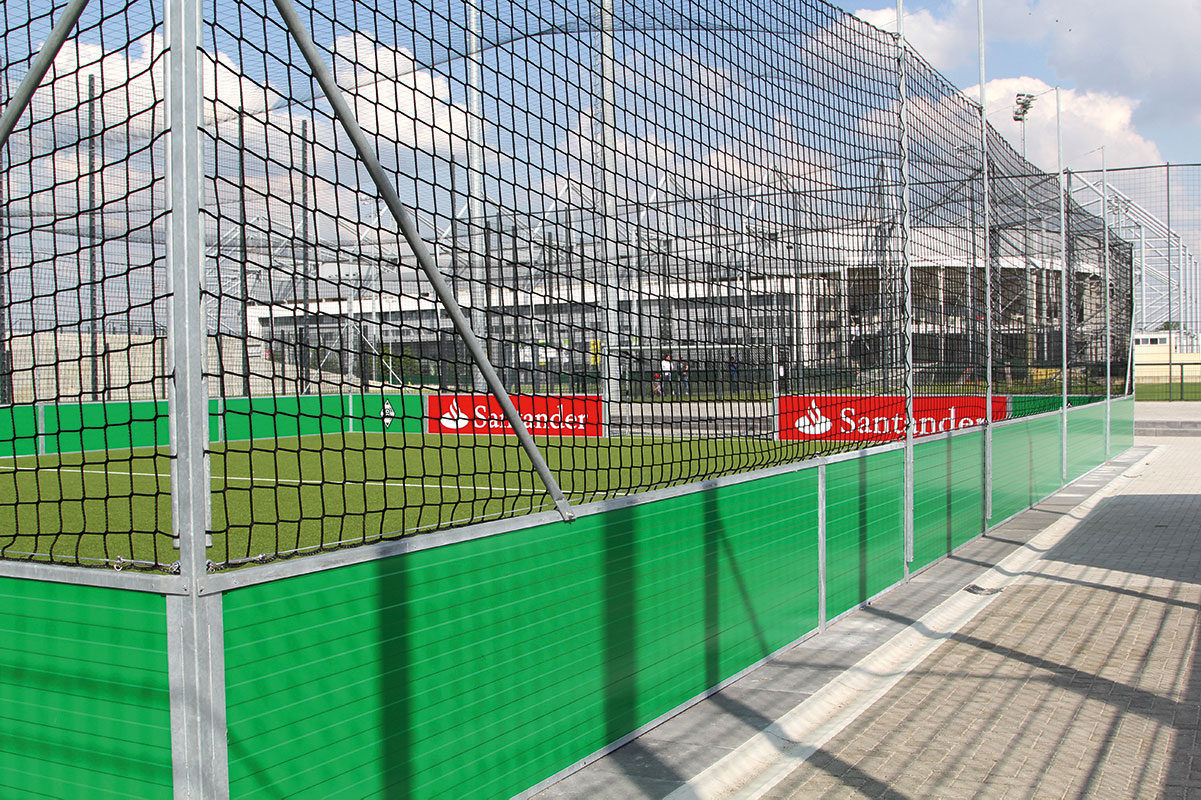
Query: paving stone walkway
(1080,679)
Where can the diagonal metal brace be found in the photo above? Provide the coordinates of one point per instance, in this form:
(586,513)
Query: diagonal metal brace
(384,186)
(38,69)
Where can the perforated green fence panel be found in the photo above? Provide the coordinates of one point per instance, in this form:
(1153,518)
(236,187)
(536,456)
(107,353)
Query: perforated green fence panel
(1086,439)
(1121,425)
(948,501)
(865,507)
(1013,458)
(1047,436)
(84,703)
(480,668)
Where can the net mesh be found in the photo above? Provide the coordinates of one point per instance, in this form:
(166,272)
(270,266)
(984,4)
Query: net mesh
(678,231)
(82,314)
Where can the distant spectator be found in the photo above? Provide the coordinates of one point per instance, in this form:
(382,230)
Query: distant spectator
(665,369)
(686,379)
(733,373)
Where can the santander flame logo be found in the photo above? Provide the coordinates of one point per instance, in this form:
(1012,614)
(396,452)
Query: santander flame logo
(813,422)
(454,418)
(542,415)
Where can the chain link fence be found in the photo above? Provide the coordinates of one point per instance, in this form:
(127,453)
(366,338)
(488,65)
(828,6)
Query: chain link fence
(1155,211)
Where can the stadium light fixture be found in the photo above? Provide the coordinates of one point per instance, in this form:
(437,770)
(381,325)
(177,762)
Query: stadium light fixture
(1022,105)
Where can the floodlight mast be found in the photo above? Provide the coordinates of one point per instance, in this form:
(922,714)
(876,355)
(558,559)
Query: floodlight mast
(1021,110)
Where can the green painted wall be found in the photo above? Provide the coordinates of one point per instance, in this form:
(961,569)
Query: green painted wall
(83,692)
(76,427)
(18,431)
(279,417)
(865,528)
(948,501)
(367,415)
(478,669)
(72,428)
(1086,439)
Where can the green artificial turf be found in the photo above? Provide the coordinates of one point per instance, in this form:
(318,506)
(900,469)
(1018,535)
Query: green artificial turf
(293,495)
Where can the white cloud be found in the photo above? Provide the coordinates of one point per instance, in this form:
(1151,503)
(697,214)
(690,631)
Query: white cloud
(393,99)
(1090,120)
(947,42)
(1144,51)
(128,85)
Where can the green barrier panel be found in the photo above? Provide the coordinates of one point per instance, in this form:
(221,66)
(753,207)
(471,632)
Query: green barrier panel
(1047,435)
(83,692)
(18,431)
(73,428)
(477,669)
(1086,439)
(1121,425)
(1015,458)
(215,420)
(865,508)
(948,497)
(367,413)
(281,417)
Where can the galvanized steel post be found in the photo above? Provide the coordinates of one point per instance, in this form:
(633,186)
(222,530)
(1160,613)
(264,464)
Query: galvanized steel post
(478,290)
(907,288)
(1172,337)
(1105,283)
(195,648)
(988,299)
(821,546)
(1063,294)
(610,367)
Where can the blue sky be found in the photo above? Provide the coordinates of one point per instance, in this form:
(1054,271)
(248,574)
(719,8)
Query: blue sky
(1128,70)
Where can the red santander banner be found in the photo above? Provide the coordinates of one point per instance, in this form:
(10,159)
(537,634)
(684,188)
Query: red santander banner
(878,419)
(543,415)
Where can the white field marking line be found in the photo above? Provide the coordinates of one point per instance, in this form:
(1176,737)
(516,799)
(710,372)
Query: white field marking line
(274,481)
(757,766)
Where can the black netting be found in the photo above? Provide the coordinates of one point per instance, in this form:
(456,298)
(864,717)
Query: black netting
(682,235)
(83,324)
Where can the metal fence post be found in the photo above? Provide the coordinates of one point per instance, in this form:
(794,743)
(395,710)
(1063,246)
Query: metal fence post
(479,288)
(194,655)
(1063,296)
(1105,283)
(907,289)
(1172,338)
(610,374)
(988,298)
(821,546)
